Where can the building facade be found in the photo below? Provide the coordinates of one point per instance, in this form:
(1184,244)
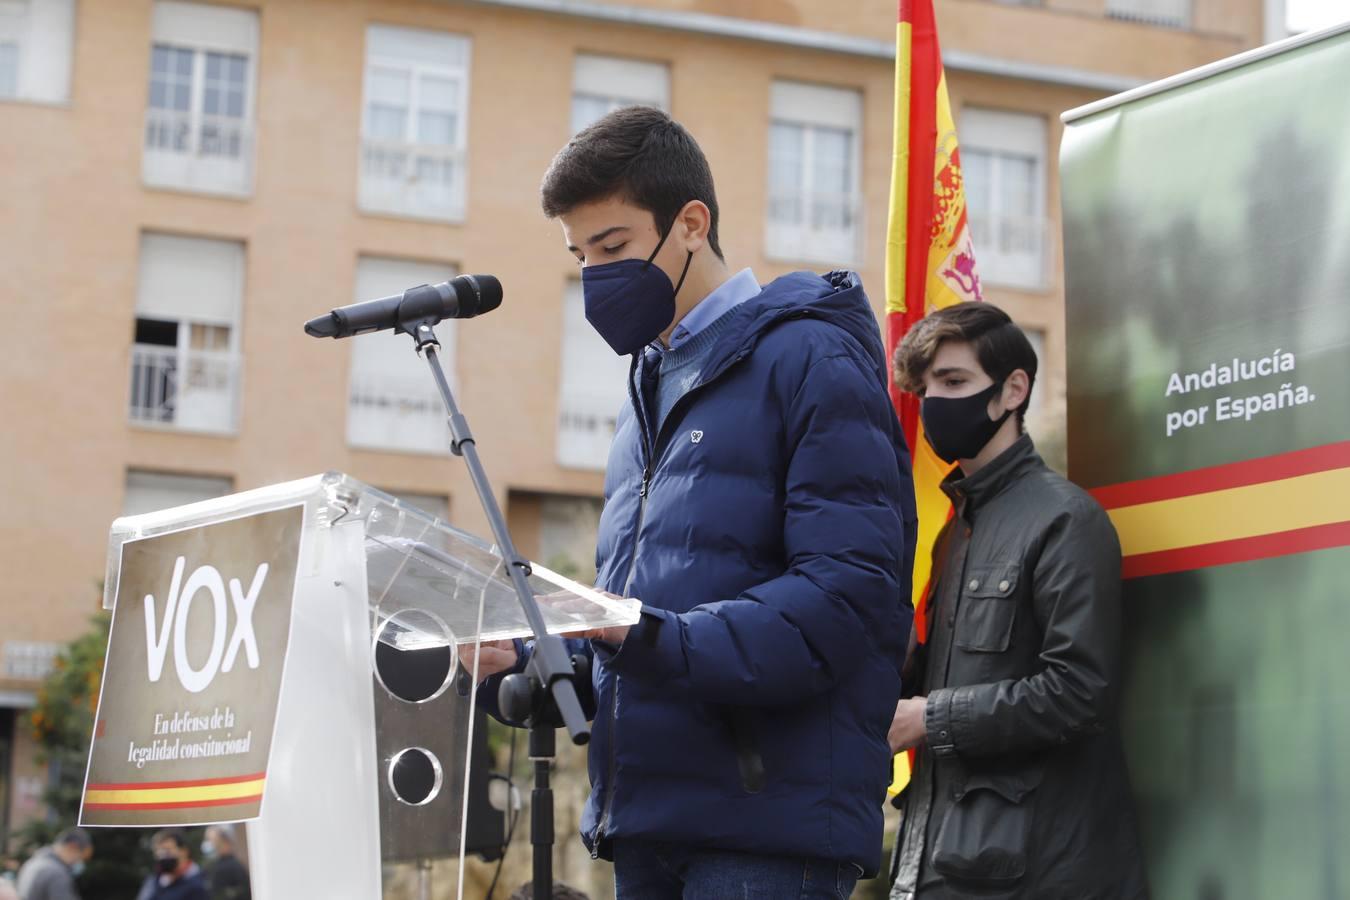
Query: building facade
(183,184)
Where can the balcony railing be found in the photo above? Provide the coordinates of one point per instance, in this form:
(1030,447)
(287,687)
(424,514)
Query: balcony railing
(28,660)
(820,226)
(425,180)
(193,390)
(585,430)
(197,152)
(1168,13)
(1011,250)
(396,412)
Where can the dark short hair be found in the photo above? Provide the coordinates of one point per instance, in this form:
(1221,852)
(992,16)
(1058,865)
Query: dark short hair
(560,892)
(1000,346)
(175,835)
(75,837)
(640,155)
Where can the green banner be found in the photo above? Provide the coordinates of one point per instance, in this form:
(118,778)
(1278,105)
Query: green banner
(1207,257)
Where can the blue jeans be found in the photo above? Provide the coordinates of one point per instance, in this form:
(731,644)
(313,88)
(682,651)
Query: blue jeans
(649,870)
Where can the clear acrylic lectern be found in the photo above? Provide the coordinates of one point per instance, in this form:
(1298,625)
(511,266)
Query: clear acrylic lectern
(371,756)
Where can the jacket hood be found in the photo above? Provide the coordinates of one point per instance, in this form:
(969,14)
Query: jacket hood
(836,297)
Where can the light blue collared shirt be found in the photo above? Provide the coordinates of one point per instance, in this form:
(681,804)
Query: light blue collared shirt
(730,293)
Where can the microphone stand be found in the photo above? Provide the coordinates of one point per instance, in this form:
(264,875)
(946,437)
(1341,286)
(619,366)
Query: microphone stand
(547,695)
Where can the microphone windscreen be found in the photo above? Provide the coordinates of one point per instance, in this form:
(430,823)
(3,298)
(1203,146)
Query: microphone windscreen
(489,293)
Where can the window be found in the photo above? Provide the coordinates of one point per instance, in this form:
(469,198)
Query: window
(1003,163)
(1168,13)
(592,390)
(9,68)
(602,84)
(35,49)
(567,532)
(814,193)
(198,120)
(1037,404)
(152,491)
(393,404)
(185,362)
(415,129)
(437,505)
(29,660)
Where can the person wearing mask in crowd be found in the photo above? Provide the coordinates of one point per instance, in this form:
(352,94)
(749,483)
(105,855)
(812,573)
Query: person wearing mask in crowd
(176,876)
(50,874)
(226,876)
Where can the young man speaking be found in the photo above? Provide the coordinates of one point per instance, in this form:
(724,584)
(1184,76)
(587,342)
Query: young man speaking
(759,504)
(1020,789)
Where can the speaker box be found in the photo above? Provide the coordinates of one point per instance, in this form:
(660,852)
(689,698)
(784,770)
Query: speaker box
(422,722)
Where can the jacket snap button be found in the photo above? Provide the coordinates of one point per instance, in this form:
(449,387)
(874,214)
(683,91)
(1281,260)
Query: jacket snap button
(1003,585)
(975,584)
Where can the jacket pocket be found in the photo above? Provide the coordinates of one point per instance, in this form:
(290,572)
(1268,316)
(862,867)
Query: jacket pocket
(983,839)
(988,609)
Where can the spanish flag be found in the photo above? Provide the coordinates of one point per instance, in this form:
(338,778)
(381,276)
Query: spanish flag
(929,259)
(202,794)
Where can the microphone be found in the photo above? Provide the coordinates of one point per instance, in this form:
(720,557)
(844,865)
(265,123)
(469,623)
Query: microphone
(462,297)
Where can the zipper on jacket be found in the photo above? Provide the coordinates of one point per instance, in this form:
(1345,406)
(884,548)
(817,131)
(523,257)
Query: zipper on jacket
(637,531)
(648,451)
(639,408)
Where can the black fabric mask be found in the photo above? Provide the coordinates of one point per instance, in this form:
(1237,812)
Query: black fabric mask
(959,427)
(166,865)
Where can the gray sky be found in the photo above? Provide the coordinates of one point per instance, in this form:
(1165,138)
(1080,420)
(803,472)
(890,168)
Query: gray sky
(1308,15)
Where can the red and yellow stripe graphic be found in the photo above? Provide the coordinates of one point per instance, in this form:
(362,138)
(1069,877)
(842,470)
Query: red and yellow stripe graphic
(929,259)
(208,792)
(1239,512)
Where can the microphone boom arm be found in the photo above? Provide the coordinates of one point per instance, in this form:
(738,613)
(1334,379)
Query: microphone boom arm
(550,663)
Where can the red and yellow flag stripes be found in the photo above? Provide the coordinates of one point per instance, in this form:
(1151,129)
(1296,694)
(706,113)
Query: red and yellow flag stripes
(1273,506)
(206,792)
(929,260)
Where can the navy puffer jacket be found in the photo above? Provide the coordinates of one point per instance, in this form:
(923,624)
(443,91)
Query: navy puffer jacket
(768,528)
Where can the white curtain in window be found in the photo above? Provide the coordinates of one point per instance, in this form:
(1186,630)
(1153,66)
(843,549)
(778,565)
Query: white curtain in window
(386,353)
(190,279)
(417,46)
(153,491)
(415,122)
(601,84)
(814,185)
(205,26)
(393,403)
(592,389)
(36,37)
(1003,157)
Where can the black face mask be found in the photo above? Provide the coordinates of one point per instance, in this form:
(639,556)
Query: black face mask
(630,302)
(959,427)
(166,865)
